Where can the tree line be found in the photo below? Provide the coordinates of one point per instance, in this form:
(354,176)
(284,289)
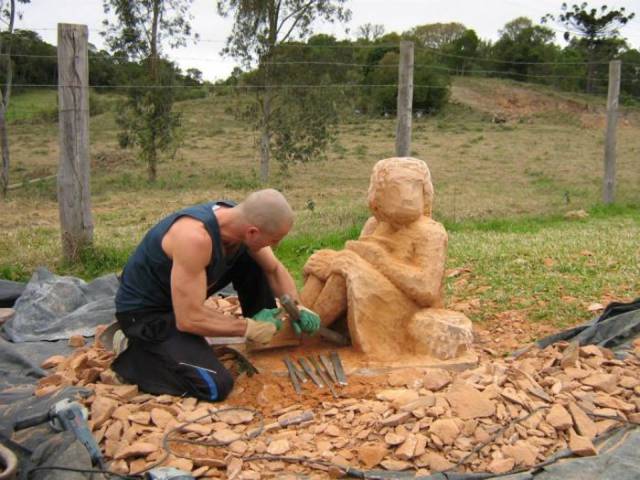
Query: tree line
(302,82)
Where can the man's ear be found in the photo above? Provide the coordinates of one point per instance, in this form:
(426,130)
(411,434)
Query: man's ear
(252,230)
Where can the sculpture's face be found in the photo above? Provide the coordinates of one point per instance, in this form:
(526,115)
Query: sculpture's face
(398,191)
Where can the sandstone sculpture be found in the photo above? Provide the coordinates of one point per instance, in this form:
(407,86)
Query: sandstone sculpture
(389,282)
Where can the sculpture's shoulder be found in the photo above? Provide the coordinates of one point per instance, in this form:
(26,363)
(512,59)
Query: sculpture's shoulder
(431,229)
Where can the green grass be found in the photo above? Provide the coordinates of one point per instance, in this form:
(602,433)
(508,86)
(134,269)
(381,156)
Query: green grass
(500,189)
(549,267)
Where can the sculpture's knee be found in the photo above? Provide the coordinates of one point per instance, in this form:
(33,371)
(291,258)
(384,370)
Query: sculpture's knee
(441,333)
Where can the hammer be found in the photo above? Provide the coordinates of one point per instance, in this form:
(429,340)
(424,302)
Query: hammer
(291,307)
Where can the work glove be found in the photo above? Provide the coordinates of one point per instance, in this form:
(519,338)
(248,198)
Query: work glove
(269,315)
(309,322)
(260,332)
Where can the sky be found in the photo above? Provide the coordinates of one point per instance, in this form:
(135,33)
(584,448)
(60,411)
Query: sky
(486,17)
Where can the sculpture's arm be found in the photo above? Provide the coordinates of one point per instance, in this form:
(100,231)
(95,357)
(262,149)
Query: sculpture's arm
(421,278)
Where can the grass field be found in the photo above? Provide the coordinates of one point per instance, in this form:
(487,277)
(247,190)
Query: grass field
(501,190)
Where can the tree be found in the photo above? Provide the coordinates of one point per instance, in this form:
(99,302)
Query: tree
(596,31)
(522,44)
(140,27)
(370,32)
(7,17)
(260,27)
(431,85)
(462,52)
(436,35)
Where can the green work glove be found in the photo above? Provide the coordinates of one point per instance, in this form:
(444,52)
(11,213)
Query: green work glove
(309,322)
(269,315)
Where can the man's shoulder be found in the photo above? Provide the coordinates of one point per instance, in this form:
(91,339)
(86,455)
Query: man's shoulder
(188,233)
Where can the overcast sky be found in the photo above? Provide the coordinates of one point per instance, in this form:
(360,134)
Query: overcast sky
(486,17)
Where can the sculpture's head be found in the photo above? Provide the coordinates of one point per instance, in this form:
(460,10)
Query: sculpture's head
(400,190)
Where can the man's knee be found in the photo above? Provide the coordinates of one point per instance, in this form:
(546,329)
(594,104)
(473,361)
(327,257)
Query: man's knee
(213,386)
(224,382)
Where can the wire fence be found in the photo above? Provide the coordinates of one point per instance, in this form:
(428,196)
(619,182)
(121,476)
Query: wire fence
(505,150)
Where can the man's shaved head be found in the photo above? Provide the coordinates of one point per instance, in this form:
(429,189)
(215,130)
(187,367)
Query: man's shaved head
(267,210)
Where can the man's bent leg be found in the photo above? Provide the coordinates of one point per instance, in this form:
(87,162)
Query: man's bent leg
(178,364)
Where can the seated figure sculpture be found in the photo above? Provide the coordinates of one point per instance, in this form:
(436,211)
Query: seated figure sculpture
(389,282)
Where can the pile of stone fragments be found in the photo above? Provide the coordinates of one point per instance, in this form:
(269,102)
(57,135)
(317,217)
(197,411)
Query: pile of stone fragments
(505,414)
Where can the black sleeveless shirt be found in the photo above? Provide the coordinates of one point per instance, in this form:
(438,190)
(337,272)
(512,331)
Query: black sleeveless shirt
(145,284)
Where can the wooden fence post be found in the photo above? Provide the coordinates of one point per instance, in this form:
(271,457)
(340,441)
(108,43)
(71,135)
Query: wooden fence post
(74,196)
(609,180)
(405,99)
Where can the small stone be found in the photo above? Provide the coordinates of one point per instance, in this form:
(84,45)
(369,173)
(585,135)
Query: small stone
(180,463)
(501,465)
(53,361)
(446,429)
(398,397)
(226,436)
(278,447)
(559,418)
(371,454)
(198,428)
(581,446)
(239,447)
(406,377)
(141,418)
(234,467)
(101,410)
(407,450)
(125,392)
(435,379)
(425,401)
(393,439)
(76,341)
(235,417)
(160,417)
(395,419)
(602,381)
(137,449)
(570,355)
(333,431)
(395,465)
(584,425)
(523,453)
(436,462)
(467,402)
(591,350)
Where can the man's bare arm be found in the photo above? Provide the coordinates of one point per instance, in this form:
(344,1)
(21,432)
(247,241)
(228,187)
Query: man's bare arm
(191,251)
(279,278)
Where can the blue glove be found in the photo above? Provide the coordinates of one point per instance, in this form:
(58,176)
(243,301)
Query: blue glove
(309,322)
(269,315)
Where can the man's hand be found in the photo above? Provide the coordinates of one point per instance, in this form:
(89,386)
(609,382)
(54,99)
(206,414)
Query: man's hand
(269,315)
(260,332)
(309,322)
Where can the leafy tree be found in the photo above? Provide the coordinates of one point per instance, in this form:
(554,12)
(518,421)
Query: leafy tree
(8,14)
(139,29)
(260,27)
(462,52)
(596,31)
(436,35)
(431,85)
(522,44)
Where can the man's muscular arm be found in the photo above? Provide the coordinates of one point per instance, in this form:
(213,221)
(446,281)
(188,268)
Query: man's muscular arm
(190,249)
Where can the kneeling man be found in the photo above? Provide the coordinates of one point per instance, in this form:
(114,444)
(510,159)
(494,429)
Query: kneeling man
(181,261)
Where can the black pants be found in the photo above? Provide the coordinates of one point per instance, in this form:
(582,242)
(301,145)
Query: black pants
(160,359)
